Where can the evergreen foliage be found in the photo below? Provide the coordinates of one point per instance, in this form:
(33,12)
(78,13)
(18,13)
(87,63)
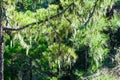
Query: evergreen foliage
(60,39)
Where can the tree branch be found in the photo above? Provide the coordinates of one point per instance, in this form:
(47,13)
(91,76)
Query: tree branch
(90,16)
(39,22)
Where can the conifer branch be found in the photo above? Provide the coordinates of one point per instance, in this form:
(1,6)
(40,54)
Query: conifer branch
(39,22)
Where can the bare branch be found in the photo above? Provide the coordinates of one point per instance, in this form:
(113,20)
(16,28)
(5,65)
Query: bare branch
(39,22)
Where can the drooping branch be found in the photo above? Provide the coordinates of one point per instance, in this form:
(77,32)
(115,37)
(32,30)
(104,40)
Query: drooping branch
(90,15)
(39,22)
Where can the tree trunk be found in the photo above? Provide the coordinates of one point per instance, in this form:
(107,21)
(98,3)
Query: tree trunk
(1,45)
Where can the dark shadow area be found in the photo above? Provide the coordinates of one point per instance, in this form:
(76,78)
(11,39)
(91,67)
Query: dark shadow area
(33,5)
(115,9)
(113,44)
(114,36)
(116,6)
(82,64)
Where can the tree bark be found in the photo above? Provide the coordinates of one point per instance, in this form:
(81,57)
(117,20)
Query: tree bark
(1,45)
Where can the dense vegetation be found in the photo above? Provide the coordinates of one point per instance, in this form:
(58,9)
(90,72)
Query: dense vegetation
(61,39)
